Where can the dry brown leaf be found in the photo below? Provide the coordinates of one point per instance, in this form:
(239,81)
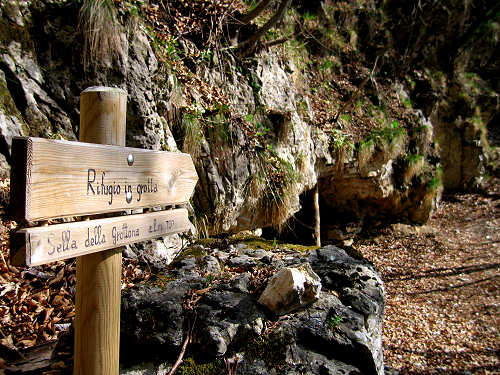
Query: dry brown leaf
(8,342)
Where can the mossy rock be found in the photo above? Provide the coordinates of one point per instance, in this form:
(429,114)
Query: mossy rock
(191,367)
(8,106)
(270,245)
(271,349)
(195,251)
(160,280)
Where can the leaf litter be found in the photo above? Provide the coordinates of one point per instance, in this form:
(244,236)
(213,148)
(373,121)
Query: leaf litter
(442,284)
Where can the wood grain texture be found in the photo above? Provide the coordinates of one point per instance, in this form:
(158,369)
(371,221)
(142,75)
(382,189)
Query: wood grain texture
(51,243)
(98,291)
(20,177)
(102,115)
(97,313)
(63,178)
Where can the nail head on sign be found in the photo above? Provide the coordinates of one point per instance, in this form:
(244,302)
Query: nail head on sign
(128,196)
(130,159)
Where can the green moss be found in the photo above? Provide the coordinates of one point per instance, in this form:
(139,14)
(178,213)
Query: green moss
(389,134)
(194,251)
(407,103)
(366,143)
(389,138)
(270,349)
(300,248)
(436,181)
(414,158)
(160,281)
(206,242)
(260,243)
(191,367)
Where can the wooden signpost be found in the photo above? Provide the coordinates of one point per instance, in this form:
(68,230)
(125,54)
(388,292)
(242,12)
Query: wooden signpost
(55,179)
(41,245)
(61,178)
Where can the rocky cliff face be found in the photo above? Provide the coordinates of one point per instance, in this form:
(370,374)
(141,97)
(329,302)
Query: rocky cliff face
(262,131)
(449,54)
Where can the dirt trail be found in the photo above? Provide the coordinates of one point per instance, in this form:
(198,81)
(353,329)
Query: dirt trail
(443,288)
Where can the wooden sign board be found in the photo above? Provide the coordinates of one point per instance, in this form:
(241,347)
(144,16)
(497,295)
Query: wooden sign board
(41,245)
(62,178)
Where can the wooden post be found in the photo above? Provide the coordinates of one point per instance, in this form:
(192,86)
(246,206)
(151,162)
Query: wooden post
(98,275)
(317,224)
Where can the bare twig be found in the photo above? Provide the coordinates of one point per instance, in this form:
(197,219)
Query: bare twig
(4,262)
(275,42)
(184,346)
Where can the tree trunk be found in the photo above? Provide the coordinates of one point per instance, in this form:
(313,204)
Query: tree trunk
(251,41)
(255,12)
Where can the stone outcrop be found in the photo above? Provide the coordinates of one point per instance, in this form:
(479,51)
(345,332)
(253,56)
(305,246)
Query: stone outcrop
(260,154)
(341,332)
(41,63)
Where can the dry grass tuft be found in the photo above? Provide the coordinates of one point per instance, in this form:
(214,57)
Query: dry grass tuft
(414,166)
(276,187)
(365,153)
(101,32)
(193,135)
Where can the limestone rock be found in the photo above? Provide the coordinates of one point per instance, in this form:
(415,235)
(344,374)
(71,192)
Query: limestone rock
(291,288)
(360,287)
(243,261)
(11,122)
(340,333)
(277,92)
(160,252)
(44,76)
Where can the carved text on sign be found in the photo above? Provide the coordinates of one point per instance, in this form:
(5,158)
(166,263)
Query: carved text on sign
(41,245)
(96,186)
(62,178)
